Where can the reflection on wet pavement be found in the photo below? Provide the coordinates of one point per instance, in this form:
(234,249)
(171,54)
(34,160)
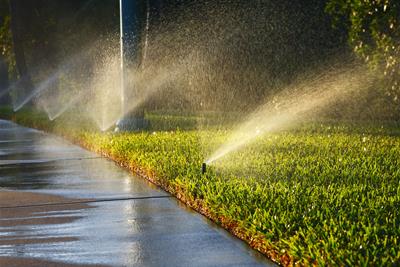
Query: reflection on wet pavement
(130,232)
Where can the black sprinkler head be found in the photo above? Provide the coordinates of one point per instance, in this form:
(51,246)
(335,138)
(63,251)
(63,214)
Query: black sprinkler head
(203,168)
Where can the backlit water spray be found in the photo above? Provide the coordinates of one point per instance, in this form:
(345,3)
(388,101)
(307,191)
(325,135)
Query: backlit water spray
(19,103)
(305,99)
(51,81)
(55,112)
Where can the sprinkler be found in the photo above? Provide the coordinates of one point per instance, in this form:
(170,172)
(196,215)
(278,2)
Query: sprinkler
(203,168)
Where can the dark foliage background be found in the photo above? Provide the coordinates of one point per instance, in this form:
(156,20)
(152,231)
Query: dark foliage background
(244,51)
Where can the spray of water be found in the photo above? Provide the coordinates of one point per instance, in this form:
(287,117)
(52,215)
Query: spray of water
(53,112)
(103,101)
(51,81)
(19,103)
(304,99)
(212,57)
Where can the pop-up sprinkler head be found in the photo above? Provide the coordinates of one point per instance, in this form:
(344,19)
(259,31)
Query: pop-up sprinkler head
(203,168)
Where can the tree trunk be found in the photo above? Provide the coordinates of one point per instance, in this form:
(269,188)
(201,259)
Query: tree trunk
(4,83)
(16,8)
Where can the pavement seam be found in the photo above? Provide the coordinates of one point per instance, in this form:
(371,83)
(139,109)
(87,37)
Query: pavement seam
(45,161)
(84,202)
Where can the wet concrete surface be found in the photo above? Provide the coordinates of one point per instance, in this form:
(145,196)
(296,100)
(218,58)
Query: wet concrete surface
(62,205)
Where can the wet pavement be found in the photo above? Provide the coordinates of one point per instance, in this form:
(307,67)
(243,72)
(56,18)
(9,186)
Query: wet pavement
(62,204)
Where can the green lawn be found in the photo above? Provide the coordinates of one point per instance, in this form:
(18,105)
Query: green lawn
(324,193)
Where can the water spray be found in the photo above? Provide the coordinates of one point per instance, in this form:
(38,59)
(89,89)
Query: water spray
(311,96)
(131,19)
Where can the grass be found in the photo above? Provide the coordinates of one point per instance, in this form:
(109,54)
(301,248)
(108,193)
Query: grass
(325,194)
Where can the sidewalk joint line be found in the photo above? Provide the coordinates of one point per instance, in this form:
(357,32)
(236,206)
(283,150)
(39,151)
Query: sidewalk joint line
(86,201)
(47,161)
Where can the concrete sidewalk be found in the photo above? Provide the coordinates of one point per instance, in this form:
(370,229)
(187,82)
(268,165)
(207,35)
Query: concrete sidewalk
(62,205)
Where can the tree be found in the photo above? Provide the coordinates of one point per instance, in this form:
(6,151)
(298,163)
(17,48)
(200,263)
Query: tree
(16,10)
(6,55)
(374,34)
(5,35)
